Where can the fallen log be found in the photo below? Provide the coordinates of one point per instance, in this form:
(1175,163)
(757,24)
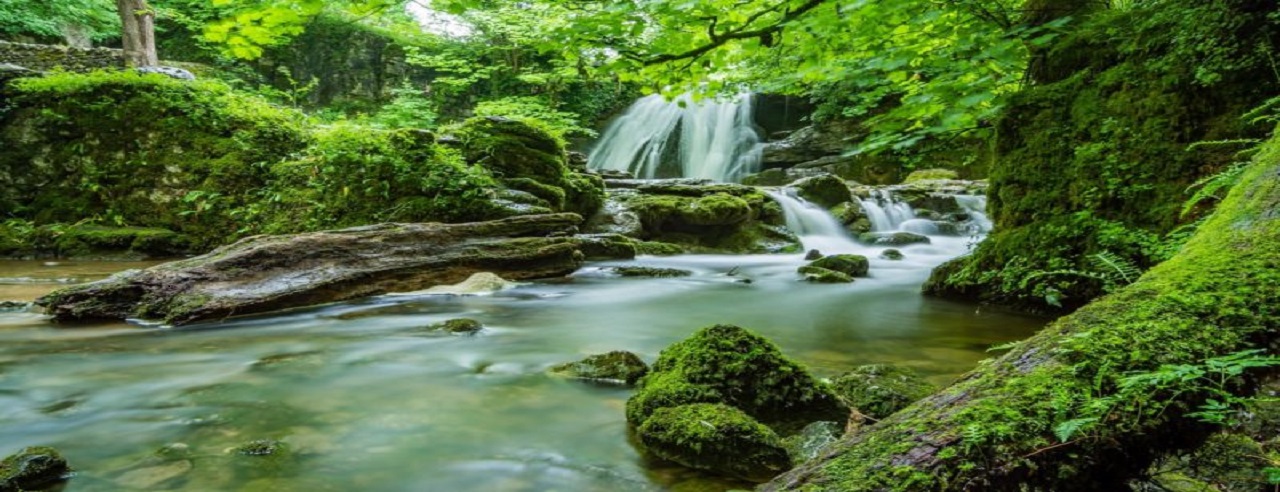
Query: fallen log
(268,273)
(1088,402)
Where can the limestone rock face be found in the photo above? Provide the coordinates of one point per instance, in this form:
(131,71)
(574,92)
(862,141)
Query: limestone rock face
(268,273)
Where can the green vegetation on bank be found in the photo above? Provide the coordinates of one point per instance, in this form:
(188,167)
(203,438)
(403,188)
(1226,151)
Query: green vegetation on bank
(209,164)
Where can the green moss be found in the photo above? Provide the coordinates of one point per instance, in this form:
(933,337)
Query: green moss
(930,174)
(33,468)
(1099,157)
(880,390)
(851,265)
(730,365)
(717,438)
(642,271)
(82,241)
(1216,297)
(819,275)
(617,366)
(459,326)
(658,248)
(826,190)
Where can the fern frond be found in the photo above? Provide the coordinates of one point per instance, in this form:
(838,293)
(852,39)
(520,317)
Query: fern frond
(1123,268)
(1210,186)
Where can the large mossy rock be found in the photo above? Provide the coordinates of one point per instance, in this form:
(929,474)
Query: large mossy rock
(34,468)
(826,190)
(851,265)
(717,438)
(880,390)
(698,216)
(730,365)
(527,158)
(268,273)
(1097,155)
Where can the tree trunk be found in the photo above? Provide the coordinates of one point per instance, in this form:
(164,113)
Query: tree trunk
(995,428)
(138,33)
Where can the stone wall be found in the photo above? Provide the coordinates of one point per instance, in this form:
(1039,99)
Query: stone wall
(44,57)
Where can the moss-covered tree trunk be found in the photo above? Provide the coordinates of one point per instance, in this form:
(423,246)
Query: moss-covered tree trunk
(995,428)
(138,32)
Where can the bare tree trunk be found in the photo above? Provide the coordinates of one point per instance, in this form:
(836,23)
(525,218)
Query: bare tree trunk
(1015,422)
(138,32)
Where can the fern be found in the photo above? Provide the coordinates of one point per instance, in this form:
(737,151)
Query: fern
(1065,430)
(1213,186)
(1117,267)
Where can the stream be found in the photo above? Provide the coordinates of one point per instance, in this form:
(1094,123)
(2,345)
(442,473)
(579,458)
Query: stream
(367,399)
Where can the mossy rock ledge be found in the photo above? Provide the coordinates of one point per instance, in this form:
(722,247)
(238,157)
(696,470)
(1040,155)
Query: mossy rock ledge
(267,273)
(694,216)
(727,367)
(879,390)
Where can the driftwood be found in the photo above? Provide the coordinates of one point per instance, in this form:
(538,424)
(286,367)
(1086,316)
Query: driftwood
(1061,411)
(269,273)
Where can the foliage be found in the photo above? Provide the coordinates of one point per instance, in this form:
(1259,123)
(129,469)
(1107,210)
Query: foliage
(48,19)
(410,109)
(559,123)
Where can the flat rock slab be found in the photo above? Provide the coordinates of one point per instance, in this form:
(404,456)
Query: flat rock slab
(269,273)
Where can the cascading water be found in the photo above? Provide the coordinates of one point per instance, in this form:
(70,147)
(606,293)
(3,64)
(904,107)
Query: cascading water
(657,138)
(816,228)
(887,213)
(976,205)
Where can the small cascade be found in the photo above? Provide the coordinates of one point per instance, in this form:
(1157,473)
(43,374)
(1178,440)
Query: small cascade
(886,213)
(816,228)
(682,138)
(976,205)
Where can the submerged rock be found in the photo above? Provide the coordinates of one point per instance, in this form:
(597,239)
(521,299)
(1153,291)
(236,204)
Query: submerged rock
(477,283)
(267,273)
(33,468)
(730,365)
(811,440)
(261,447)
(614,367)
(717,438)
(643,271)
(892,254)
(819,275)
(459,326)
(893,238)
(880,390)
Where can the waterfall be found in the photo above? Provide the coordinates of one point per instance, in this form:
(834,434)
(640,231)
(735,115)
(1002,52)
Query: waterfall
(976,205)
(886,213)
(657,138)
(815,227)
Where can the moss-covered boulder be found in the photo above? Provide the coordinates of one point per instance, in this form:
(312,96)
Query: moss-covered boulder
(931,175)
(714,218)
(853,216)
(33,468)
(880,390)
(730,365)
(717,438)
(892,255)
(851,265)
(618,367)
(824,190)
(528,158)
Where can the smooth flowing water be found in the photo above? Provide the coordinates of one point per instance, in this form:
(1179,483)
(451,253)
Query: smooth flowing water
(367,399)
(681,138)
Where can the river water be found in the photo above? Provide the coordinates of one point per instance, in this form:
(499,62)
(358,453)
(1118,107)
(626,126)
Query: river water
(366,399)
